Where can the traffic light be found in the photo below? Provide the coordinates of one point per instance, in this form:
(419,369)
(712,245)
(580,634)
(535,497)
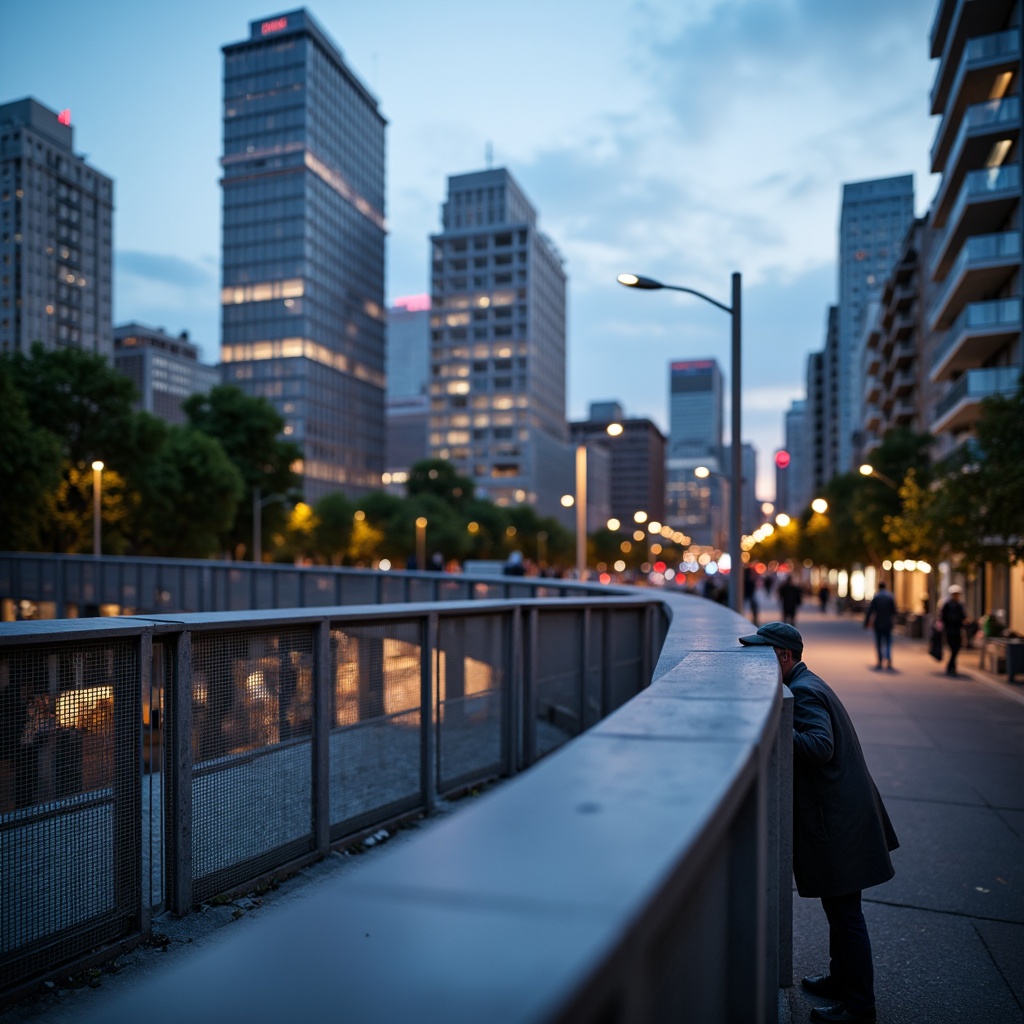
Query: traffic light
(782,458)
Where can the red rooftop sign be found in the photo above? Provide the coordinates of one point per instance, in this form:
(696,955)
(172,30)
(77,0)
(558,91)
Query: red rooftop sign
(274,25)
(65,116)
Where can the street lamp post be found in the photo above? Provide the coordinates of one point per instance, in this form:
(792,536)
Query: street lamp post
(421,543)
(735,311)
(868,470)
(258,504)
(97,493)
(581,510)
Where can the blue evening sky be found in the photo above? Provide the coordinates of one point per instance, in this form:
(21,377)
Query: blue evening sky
(682,139)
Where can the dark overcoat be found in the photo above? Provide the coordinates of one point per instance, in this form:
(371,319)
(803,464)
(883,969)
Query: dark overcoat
(842,835)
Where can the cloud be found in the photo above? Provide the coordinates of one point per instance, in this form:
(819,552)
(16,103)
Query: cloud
(170,270)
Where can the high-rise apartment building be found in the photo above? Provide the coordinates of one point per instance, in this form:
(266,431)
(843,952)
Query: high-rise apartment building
(874,221)
(164,369)
(696,413)
(56,214)
(814,449)
(973,295)
(498,345)
(303,316)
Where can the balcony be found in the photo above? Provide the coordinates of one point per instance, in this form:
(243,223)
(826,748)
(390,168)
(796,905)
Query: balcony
(983,267)
(983,125)
(981,329)
(988,54)
(985,200)
(960,408)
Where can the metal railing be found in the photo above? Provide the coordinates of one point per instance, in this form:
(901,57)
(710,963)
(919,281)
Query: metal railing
(644,864)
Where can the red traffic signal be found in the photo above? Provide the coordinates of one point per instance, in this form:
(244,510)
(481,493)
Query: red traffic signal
(782,458)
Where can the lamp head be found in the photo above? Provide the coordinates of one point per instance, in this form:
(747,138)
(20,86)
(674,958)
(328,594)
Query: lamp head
(636,281)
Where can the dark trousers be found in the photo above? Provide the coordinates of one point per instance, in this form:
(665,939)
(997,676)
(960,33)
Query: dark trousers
(849,951)
(953,639)
(883,644)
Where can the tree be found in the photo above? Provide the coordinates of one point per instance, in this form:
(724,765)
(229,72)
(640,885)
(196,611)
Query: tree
(188,498)
(332,530)
(247,428)
(30,461)
(439,477)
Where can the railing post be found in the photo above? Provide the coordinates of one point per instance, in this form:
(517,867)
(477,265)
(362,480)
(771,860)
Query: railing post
(179,802)
(785,862)
(528,703)
(128,786)
(429,638)
(323,680)
(513,704)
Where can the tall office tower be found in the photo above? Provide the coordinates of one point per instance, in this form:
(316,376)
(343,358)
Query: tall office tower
(637,455)
(408,399)
(751,516)
(303,247)
(791,488)
(973,306)
(696,410)
(814,448)
(498,345)
(56,214)
(830,371)
(874,221)
(164,369)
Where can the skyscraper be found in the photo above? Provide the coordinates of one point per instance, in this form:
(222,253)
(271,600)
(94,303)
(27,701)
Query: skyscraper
(498,345)
(302,301)
(56,217)
(408,399)
(874,221)
(697,507)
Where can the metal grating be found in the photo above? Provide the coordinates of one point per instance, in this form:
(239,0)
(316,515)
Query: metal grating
(376,738)
(472,660)
(252,723)
(69,829)
(558,686)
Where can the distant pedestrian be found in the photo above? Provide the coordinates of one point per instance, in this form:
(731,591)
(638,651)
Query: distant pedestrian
(790,597)
(881,612)
(514,564)
(750,589)
(436,563)
(823,596)
(952,616)
(842,835)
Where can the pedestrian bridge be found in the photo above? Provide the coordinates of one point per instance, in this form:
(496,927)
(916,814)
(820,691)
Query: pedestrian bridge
(634,867)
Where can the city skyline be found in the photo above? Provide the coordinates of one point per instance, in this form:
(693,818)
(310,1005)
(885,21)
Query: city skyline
(682,144)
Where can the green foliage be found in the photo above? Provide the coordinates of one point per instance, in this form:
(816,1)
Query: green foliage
(30,461)
(439,478)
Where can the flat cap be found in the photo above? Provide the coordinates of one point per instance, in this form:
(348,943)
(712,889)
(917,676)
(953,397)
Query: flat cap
(775,634)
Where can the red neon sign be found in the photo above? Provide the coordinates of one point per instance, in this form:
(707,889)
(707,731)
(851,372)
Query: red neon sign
(65,116)
(274,25)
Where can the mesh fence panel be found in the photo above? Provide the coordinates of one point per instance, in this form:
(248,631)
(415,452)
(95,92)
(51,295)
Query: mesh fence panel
(472,661)
(358,589)
(252,699)
(625,646)
(376,742)
(559,680)
(69,837)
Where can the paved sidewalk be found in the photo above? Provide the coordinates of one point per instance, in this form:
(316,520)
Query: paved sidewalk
(948,757)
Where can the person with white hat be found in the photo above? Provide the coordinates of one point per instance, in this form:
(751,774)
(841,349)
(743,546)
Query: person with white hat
(952,615)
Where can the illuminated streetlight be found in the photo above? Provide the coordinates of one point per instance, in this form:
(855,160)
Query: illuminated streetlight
(703,472)
(819,505)
(640,517)
(868,470)
(567,501)
(613,524)
(734,311)
(614,429)
(97,491)
(421,543)
(782,519)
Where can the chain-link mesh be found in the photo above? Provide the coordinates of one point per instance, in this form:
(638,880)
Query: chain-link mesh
(376,741)
(559,679)
(69,833)
(252,718)
(472,664)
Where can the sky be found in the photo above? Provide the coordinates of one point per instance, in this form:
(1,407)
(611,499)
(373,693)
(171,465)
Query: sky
(679,139)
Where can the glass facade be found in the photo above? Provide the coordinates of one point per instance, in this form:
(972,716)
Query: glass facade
(303,319)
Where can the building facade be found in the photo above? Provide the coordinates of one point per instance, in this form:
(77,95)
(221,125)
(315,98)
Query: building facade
(56,231)
(697,507)
(873,224)
(637,461)
(497,388)
(407,409)
(303,319)
(973,299)
(164,369)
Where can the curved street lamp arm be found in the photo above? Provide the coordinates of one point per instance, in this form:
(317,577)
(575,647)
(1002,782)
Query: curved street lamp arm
(700,295)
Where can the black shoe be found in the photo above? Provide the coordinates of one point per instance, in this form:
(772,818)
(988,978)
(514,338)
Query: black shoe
(822,985)
(839,1013)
